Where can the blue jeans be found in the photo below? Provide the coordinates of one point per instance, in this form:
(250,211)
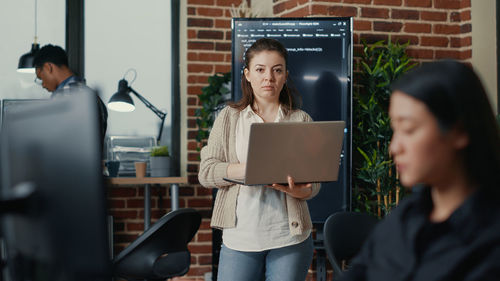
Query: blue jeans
(289,263)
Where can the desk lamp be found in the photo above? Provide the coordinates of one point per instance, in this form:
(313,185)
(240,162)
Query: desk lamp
(122,102)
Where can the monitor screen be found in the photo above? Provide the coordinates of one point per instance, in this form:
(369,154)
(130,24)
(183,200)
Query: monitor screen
(50,156)
(320,68)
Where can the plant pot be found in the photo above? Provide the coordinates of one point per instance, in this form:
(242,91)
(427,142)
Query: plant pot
(160,166)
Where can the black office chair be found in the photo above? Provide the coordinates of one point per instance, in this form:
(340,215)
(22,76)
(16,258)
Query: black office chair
(161,251)
(344,235)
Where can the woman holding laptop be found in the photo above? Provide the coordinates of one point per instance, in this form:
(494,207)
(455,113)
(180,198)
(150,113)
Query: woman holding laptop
(266,229)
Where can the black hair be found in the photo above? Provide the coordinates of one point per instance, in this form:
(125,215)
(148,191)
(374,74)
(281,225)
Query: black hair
(289,97)
(454,94)
(50,53)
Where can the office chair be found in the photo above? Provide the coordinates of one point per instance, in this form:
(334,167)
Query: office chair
(161,251)
(344,235)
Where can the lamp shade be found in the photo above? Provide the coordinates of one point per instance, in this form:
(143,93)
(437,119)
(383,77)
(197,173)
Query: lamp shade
(121,100)
(26,61)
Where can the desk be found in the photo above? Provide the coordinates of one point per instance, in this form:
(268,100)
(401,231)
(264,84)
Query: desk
(174,191)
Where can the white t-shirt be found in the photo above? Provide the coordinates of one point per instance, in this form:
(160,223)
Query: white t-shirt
(261,212)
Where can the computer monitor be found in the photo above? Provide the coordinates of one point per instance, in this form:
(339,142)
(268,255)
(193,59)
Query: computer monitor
(54,205)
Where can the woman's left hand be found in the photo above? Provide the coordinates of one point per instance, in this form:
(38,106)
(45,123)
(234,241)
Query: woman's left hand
(299,191)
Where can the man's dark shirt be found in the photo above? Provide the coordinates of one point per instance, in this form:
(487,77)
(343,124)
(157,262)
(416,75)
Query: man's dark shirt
(407,246)
(74,82)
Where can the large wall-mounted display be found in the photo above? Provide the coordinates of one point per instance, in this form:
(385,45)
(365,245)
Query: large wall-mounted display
(320,67)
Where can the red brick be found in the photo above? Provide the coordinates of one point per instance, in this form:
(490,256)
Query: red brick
(434,41)
(342,11)
(192,125)
(198,271)
(447,4)
(318,10)
(200,68)
(192,156)
(192,167)
(460,42)
(121,192)
(420,53)
(205,260)
(372,38)
(222,68)
(387,2)
(453,54)
(200,45)
(418,3)
(358,1)
(362,25)
(279,8)
(374,13)
(210,12)
(433,16)
(210,34)
(192,134)
(200,248)
(135,226)
(200,2)
(446,29)
(387,26)
(194,203)
(193,178)
(135,203)
(202,191)
(460,16)
(405,14)
(211,57)
(227,2)
(228,35)
(403,39)
(222,46)
(200,22)
(417,27)
(191,11)
(194,90)
(219,23)
(191,34)
(192,101)
(192,56)
(466,28)
(302,12)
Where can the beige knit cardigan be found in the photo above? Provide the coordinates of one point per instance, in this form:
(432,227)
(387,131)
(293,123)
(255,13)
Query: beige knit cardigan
(220,151)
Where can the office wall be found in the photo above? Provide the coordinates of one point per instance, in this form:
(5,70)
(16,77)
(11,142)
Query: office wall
(17,31)
(484,46)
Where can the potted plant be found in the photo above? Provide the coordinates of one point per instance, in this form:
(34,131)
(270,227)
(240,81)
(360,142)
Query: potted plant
(212,99)
(159,161)
(376,184)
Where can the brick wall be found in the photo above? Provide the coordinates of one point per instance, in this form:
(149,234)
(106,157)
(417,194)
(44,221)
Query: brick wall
(435,29)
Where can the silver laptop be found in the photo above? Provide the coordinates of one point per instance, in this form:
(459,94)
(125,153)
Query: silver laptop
(308,151)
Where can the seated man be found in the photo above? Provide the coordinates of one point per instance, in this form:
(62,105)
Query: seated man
(51,64)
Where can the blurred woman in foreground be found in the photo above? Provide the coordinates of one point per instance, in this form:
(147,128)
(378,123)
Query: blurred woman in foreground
(446,145)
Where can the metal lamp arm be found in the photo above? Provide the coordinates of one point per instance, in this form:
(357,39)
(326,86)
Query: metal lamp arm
(158,112)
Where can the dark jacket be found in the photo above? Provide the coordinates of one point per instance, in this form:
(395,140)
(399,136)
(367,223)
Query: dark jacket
(407,246)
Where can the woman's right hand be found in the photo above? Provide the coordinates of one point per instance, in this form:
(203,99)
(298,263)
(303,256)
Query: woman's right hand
(236,171)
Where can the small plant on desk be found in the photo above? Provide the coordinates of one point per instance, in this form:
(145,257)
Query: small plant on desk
(160,161)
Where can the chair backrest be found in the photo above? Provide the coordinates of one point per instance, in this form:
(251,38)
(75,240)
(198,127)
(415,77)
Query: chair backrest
(161,251)
(344,235)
